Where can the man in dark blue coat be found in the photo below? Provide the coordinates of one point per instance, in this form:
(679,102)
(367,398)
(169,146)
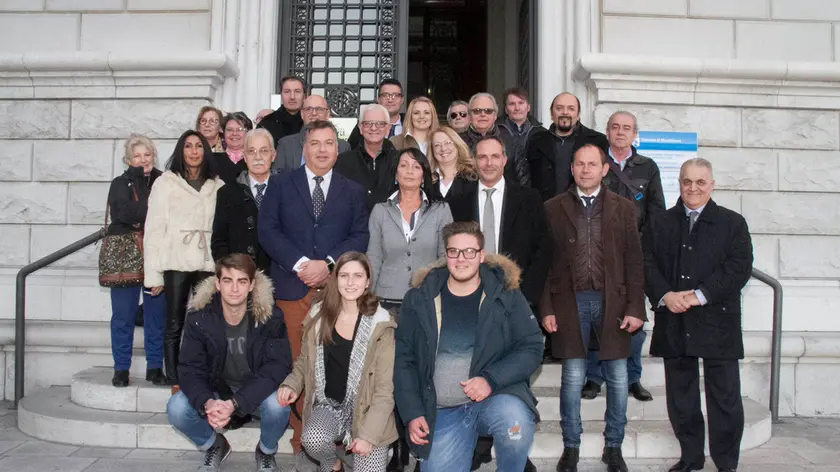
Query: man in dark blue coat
(234,355)
(466,347)
(698,257)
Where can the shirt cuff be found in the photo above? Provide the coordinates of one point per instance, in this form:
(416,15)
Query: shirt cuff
(661,301)
(300,262)
(331,259)
(700,297)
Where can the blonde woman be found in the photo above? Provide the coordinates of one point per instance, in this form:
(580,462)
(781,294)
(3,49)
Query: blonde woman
(128,201)
(209,124)
(453,167)
(421,121)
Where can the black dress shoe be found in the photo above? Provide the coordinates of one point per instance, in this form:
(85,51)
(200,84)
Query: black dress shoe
(529,466)
(120,378)
(164,381)
(400,457)
(154,375)
(482,454)
(685,467)
(569,460)
(612,457)
(590,390)
(640,393)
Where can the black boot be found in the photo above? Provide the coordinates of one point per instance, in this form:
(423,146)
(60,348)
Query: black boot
(481,454)
(400,458)
(569,460)
(120,378)
(612,457)
(590,390)
(170,363)
(154,375)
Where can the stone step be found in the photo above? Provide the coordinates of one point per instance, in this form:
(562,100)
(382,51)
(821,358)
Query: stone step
(52,416)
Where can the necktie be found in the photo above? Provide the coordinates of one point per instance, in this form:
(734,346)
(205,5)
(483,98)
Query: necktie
(318,199)
(587,201)
(489,223)
(393,130)
(259,196)
(692,215)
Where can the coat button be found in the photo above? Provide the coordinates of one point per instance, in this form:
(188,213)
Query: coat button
(682,276)
(316,225)
(572,240)
(689,248)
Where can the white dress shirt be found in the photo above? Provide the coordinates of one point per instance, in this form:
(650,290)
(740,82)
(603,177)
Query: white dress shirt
(253,184)
(325,185)
(581,194)
(497,198)
(408,228)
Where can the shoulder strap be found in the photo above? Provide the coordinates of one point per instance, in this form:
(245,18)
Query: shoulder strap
(616,169)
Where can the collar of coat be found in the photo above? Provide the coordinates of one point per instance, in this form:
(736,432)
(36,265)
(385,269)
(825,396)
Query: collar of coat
(504,269)
(207,188)
(380,316)
(261,300)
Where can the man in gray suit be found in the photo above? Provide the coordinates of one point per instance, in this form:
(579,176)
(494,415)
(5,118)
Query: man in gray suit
(290,148)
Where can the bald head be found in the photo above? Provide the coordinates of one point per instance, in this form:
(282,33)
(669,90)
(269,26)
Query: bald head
(315,108)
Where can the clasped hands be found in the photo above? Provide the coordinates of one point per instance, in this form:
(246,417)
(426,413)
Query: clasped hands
(218,412)
(629,323)
(313,273)
(680,302)
(476,389)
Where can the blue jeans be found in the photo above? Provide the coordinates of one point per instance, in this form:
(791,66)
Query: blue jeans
(595,370)
(504,417)
(273,421)
(124,302)
(574,375)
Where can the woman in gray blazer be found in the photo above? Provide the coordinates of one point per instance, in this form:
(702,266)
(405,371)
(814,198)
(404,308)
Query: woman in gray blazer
(405,229)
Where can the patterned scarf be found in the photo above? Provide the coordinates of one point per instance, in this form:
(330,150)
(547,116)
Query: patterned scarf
(344,410)
(236,156)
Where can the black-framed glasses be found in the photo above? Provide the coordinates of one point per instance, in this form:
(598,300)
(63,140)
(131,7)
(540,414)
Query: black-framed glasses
(374,124)
(314,109)
(456,114)
(390,96)
(469,253)
(483,111)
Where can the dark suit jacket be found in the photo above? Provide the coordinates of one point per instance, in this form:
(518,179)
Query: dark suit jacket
(290,152)
(460,185)
(288,229)
(235,224)
(524,232)
(716,257)
(623,292)
(542,157)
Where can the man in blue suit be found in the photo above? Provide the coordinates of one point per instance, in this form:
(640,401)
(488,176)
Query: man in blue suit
(308,218)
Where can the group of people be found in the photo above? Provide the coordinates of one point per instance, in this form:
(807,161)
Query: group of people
(397,291)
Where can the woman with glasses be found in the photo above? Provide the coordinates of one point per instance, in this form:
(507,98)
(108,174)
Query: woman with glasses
(209,124)
(230,163)
(458,116)
(421,122)
(454,170)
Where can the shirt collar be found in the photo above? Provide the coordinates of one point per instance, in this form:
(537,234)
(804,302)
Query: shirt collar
(594,194)
(698,210)
(395,197)
(500,186)
(311,175)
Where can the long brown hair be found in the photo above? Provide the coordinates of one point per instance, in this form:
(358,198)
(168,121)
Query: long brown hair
(331,301)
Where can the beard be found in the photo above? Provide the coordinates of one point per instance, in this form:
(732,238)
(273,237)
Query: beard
(562,126)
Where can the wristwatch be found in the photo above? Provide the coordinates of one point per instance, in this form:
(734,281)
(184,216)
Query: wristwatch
(330,264)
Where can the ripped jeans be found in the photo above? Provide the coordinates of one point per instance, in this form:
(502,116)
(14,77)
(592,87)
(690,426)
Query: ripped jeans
(504,417)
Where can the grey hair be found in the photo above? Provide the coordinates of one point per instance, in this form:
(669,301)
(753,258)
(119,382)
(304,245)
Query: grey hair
(485,95)
(138,140)
(699,162)
(374,107)
(455,104)
(259,132)
(624,113)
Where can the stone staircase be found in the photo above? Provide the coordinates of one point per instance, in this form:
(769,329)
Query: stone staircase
(90,412)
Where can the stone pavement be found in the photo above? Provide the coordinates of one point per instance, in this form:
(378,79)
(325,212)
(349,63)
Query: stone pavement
(798,445)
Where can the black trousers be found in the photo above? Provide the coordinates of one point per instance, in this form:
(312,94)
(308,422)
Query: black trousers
(723,404)
(178,286)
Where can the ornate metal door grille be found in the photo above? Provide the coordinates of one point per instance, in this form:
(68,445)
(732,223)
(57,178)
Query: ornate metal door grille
(528,48)
(342,48)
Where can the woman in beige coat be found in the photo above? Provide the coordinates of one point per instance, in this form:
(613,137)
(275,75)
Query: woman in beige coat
(346,370)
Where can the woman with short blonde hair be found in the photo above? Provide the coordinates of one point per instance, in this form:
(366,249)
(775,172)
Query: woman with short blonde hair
(421,120)
(453,166)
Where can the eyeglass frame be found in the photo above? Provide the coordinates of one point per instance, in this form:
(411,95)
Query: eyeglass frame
(375,125)
(264,152)
(482,111)
(456,114)
(390,96)
(315,109)
(463,252)
(208,121)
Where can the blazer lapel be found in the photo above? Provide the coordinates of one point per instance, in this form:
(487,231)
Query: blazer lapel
(395,214)
(510,208)
(609,208)
(567,200)
(299,178)
(334,192)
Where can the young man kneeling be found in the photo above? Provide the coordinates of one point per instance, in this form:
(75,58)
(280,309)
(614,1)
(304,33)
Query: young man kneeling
(233,357)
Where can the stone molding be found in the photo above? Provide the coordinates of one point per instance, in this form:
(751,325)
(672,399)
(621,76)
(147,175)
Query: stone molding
(74,75)
(710,82)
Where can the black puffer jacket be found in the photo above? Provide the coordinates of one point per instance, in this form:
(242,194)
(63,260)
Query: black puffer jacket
(126,214)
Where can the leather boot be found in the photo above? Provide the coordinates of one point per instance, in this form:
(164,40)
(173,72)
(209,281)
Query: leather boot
(400,458)
(569,460)
(614,460)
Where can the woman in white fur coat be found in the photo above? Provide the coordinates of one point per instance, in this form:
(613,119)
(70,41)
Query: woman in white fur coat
(177,239)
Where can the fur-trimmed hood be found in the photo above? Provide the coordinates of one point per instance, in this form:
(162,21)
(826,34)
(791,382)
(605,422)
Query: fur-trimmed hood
(512,272)
(261,301)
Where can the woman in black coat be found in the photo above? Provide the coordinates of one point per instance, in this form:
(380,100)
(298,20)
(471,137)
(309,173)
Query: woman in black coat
(128,201)
(453,166)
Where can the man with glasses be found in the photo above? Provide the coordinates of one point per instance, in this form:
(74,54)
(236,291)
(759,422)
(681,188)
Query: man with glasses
(483,113)
(373,164)
(466,346)
(389,95)
(235,221)
(290,148)
(458,116)
(287,120)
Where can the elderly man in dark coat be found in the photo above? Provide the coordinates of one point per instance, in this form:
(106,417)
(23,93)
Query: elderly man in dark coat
(698,257)
(593,298)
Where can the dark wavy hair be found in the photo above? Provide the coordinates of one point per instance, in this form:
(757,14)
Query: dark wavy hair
(331,301)
(429,188)
(176,162)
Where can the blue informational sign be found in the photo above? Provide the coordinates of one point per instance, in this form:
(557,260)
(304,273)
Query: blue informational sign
(669,150)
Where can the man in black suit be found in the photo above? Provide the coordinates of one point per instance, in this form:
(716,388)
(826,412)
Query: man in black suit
(550,152)
(698,257)
(512,219)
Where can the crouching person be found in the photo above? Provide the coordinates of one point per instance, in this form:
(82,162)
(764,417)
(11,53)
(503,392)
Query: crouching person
(466,347)
(234,355)
(345,370)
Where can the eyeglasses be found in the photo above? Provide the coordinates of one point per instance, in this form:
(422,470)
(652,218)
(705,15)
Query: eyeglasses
(482,111)
(469,253)
(264,152)
(374,124)
(456,114)
(390,96)
(235,130)
(211,121)
(314,109)
(439,146)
